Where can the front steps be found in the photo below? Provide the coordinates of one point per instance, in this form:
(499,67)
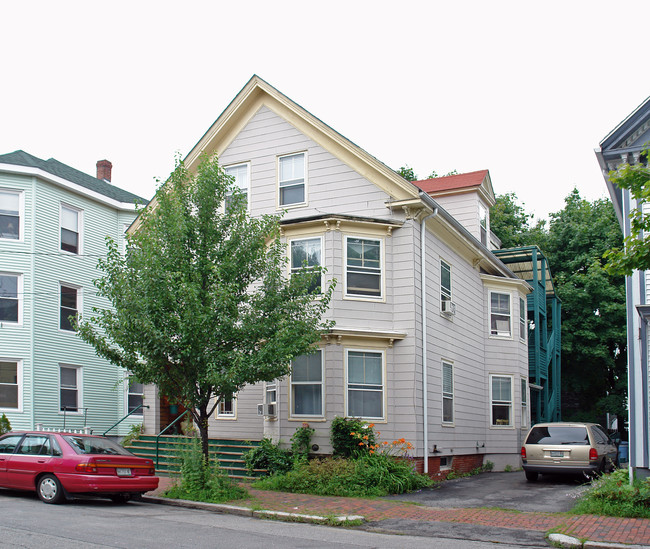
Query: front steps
(170,447)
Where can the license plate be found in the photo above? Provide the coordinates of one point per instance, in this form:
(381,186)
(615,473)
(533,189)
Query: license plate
(121,472)
(556,454)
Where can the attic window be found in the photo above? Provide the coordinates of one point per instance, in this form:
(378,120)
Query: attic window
(483,221)
(291,179)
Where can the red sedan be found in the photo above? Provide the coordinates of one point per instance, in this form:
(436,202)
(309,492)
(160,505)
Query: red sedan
(56,465)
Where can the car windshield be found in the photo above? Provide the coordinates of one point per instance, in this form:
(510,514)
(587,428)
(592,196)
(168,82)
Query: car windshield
(558,434)
(95,445)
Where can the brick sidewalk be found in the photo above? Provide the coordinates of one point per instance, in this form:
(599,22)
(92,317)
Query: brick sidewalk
(594,528)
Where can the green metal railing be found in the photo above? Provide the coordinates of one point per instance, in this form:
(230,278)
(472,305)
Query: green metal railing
(121,420)
(164,431)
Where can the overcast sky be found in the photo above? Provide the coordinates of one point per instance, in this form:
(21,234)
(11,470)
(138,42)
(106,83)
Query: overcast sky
(525,89)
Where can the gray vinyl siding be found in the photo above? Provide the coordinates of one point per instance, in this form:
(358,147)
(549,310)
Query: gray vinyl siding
(465,208)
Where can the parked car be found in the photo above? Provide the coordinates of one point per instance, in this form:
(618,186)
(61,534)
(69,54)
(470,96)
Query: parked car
(567,448)
(57,465)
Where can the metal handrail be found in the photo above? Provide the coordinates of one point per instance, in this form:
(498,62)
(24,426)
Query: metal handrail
(127,415)
(164,431)
(74,409)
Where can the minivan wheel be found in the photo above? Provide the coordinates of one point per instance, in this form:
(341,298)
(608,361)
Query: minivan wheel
(531,477)
(49,489)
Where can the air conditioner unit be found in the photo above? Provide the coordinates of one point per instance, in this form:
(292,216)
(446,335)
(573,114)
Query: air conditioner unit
(447,308)
(266,410)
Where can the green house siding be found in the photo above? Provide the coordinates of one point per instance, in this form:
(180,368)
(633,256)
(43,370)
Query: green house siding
(38,342)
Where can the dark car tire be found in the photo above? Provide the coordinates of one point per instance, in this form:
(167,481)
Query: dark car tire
(49,489)
(531,477)
(120,498)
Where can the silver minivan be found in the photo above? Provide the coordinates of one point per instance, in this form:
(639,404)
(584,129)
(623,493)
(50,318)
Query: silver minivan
(567,448)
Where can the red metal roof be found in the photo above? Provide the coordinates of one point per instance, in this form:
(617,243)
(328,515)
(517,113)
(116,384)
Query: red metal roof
(452,182)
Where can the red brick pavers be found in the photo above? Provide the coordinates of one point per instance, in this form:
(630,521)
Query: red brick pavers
(594,528)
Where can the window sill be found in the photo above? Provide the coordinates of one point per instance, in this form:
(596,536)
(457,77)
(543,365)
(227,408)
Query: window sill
(368,299)
(501,427)
(315,419)
(452,424)
(501,337)
(282,207)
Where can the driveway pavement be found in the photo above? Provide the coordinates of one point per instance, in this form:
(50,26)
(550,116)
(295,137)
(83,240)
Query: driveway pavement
(502,490)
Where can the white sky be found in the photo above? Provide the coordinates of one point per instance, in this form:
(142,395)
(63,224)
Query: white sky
(525,89)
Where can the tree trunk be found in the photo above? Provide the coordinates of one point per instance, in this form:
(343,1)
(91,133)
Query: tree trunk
(203,432)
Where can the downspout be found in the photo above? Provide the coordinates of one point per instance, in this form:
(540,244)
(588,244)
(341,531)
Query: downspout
(423,297)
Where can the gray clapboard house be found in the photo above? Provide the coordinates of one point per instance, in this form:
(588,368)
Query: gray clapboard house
(430,342)
(625,144)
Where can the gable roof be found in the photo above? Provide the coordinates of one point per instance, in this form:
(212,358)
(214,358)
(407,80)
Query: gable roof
(56,168)
(462,182)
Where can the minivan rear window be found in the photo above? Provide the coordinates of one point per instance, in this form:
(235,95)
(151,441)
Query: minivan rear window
(558,434)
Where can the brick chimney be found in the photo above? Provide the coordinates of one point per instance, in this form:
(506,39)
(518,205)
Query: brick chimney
(104,168)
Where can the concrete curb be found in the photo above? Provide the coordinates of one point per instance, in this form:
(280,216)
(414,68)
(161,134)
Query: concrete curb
(562,540)
(246,512)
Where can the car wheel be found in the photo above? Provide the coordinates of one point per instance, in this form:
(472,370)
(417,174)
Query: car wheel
(531,477)
(49,489)
(120,498)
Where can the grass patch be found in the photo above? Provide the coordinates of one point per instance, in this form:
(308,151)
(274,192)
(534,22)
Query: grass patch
(612,495)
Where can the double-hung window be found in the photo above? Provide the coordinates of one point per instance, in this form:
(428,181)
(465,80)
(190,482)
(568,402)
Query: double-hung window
(447,392)
(69,307)
(523,316)
(226,408)
(10,297)
(363,267)
(271,400)
(445,281)
(240,174)
(291,179)
(70,229)
(307,385)
(307,253)
(524,402)
(134,396)
(365,384)
(10,208)
(501,401)
(483,223)
(500,314)
(10,372)
(69,388)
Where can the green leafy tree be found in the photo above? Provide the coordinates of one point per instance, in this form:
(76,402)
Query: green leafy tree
(407,173)
(593,307)
(512,224)
(201,304)
(635,253)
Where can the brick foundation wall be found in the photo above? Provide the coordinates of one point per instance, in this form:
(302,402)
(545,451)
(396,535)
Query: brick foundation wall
(460,464)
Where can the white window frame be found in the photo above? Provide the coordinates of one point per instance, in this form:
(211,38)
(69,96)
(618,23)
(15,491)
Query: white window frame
(247,187)
(525,397)
(79,304)
(500,335)
(382,386)
(523,318)
(79,379)
(293,384)
(508,403)
(127,393)
(80,226)
(19,383)
(222,413)
(293,268)
(382,269)
(280,205)
(446,294)
(484,224)
(19,298)
(271,396)
(21,215)
(447,395)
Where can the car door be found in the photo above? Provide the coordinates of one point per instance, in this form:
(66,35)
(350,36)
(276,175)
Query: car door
(7,447)
(605,446)
(32,456)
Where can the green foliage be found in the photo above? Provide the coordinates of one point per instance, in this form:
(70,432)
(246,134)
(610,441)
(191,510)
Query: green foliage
(5,426)
(269,456)
(301,441)
(351,437)
(370,475)
(134,434)
(635,252)
(201,304)
(612,495)
(486,467)
(512,224)
(201,481)
(407,173)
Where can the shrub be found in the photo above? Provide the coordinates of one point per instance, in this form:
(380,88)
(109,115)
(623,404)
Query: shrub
(5,426)
(612,495)
(269,456)
(301,442)
(201,481)
(351,437)
(134,434)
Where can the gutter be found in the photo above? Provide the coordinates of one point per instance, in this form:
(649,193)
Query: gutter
(423,298)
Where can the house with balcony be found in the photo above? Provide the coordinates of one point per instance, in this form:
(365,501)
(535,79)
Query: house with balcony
(431,334)
(54,220)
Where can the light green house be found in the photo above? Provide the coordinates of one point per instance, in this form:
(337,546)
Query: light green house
(53,224)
